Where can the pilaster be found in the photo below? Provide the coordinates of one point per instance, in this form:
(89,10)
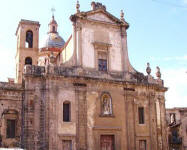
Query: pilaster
(81,111)
(130,121)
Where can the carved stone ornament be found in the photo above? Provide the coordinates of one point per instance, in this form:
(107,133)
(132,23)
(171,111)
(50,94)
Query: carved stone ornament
(52,58)
(78,26)
(98,6)
(122,16)
(158,73)
(106,105)
(101,45)
(77,7)
(148,69)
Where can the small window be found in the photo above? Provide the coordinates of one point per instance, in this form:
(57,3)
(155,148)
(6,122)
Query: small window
(141,115)
(142,145)
(102,64)
(53,28)
(29,39)
(28,61)
(11,128)
(66,112)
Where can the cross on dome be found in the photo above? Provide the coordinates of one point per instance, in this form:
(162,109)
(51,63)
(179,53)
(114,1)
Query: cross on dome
(53,10)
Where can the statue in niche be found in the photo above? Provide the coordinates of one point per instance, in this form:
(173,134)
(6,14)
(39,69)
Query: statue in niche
(106,105)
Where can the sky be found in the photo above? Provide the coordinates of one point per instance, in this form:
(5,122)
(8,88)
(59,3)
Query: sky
(157,35)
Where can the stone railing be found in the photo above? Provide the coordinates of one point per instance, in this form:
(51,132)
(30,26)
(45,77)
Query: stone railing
(80,72)
(7,85)
(34,70)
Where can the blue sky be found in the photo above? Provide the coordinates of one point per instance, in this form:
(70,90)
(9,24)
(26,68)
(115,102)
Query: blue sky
(157,35)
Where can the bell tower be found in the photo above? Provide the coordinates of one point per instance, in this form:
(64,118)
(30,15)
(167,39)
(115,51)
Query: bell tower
(27,46)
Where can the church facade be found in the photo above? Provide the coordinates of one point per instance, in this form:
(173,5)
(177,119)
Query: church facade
(82,94)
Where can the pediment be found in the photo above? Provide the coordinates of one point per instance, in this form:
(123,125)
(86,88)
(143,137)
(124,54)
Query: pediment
(100,16)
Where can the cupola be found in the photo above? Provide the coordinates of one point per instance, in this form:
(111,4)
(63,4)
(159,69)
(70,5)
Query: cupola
(53,25)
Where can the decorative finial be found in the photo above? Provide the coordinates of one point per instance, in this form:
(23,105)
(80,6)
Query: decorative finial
(93,5)
(148,69)
(158,73)
(78,6)
(53,10)
(122,15)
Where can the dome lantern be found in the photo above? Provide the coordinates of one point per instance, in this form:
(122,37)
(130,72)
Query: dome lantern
(53,25)
(53,41)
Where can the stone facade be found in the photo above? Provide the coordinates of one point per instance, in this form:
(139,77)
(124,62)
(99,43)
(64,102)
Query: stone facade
(177,128)
(88,96)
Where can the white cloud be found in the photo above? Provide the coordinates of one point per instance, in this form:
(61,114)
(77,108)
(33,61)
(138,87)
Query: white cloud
(176,81)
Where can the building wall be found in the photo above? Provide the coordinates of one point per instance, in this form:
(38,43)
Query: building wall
(99,33)
(10,109)
(181,121)
(87,122)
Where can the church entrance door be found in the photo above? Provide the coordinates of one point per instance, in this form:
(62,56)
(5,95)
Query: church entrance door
(66,145)
(107,142)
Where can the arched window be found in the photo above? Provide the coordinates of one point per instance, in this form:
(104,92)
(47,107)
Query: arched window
(29,39)
(66,111)
(106,104)
(28,61)
(53,28)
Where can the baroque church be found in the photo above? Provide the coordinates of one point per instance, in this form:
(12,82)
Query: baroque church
(83,93)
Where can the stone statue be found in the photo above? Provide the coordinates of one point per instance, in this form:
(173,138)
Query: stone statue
(106,106)
(158,73)
(148,69)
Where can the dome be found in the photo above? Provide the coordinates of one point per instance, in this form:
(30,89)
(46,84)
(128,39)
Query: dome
(53,40)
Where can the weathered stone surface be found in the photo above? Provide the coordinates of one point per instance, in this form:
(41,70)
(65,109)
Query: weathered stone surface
(103,105)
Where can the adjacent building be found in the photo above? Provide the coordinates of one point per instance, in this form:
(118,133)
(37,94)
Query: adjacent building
(177,128)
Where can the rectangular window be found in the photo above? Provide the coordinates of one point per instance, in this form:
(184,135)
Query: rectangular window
(67,145)
(141,115)
(102,64)
(142,145)
(66,112)
(11,128)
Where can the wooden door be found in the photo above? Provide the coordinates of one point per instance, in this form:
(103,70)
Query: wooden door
(107,142)
(142,145)
(66,145)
